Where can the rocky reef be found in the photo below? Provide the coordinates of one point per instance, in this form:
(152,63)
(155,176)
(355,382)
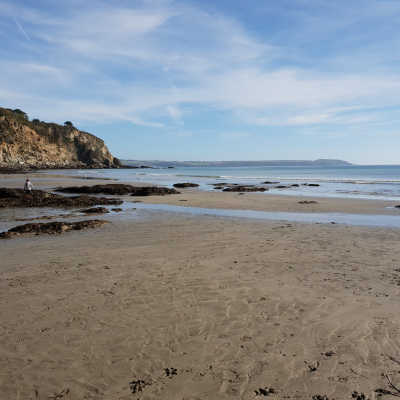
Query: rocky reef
(185,185)
(51,228)
(40,198)
(241,188)
(119,189)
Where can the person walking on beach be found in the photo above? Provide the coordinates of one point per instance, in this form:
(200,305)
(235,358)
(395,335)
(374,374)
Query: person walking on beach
(28,187)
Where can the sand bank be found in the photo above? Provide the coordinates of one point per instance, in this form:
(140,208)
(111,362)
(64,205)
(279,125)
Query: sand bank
(278,203)
(170,306)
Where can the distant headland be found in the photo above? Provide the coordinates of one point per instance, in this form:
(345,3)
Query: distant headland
(215,164)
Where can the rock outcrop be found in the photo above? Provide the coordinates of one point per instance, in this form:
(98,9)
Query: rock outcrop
(50,228)
(185,185)
(96,210)
(244,189)
(38,198)
(38,144)
(119,189)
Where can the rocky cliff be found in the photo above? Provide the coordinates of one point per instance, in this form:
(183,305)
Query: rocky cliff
(40,144)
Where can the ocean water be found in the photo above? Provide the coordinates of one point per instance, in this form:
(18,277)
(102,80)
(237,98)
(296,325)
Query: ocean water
(369,181)
(373,182)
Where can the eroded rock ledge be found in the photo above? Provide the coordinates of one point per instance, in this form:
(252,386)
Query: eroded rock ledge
(51,228)
(119,189)
(40,198)
(244,189)
(185,185)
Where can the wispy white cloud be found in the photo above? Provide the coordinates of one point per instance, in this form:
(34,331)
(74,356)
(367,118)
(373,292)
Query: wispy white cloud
(146,61)
(175,114)
(22,30)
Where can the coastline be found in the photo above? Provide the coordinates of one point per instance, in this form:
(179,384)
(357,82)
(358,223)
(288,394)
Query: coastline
(227,200)
(176,306)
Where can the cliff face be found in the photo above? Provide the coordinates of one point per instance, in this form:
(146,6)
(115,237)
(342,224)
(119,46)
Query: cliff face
(41,144)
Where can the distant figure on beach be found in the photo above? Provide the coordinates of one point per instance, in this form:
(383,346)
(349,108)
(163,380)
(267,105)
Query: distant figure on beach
(28,187)
(137,177)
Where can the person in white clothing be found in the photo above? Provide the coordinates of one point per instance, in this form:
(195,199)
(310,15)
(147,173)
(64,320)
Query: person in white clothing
(28,187)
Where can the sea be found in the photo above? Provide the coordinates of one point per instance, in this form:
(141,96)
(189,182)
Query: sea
(354,181)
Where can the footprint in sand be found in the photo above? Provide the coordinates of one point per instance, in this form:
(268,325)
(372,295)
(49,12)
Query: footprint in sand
(256,368)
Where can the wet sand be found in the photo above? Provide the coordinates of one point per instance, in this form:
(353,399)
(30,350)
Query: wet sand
(173,306)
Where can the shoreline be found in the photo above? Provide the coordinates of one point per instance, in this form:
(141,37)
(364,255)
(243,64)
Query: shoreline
(372,183)
(230,200)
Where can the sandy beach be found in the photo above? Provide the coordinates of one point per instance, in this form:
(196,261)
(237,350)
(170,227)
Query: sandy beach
(184,307)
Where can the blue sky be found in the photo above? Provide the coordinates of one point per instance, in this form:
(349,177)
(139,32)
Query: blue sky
(211,80)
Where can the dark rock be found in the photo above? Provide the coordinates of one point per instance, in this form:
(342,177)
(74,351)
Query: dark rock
(112,189)
(295,185)
(244,189)
(153,191)
(307,202)
(313,184)
(39,198)
(119,189)
(282,187)
(398,206)
(269,183)
(95,210)
(51,228)
(185,185)
(116,209)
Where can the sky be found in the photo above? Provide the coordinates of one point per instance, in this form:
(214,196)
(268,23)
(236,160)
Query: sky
(211,80)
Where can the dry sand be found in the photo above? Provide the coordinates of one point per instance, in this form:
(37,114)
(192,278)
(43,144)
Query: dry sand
(171,306)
